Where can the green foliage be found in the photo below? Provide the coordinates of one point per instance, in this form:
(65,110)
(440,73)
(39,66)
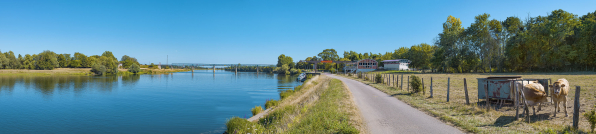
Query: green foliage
(285,60)
(415,84)
(3,61)
(127,61)
(284,69)
(591,116)
(61,60)
(286,93)
(237,125)
(134,68)
(46,60)
(98,69)
(329,54)
(271,103)
(256,110)
(379,78)
(298,88)
(309,76)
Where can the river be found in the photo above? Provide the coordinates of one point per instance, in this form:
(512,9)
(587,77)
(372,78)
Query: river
(183,102)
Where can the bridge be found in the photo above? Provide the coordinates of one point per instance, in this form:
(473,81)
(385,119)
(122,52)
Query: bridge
(192,65)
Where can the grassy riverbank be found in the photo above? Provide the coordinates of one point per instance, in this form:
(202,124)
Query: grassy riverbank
(77,71)
(322,105)
(474,118)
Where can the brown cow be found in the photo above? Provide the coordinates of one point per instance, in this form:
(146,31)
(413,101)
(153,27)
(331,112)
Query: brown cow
(560,89)
(535,95)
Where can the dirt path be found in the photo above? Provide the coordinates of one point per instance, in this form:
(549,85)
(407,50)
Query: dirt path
(385,114)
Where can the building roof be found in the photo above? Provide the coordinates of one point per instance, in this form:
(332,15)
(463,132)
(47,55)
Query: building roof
(394,60)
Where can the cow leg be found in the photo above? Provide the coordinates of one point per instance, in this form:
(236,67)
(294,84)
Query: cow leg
(556,106)
(565,106)
(534,109)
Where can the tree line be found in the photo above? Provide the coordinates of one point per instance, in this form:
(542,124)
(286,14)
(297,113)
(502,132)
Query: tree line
(560,41)
(48,60)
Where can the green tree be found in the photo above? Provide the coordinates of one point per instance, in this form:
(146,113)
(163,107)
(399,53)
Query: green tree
(28,62)
(134,68)
(62,60)
(98,69)
(3,61)
(46,60)
(329,54)
(80,60)
(284,60)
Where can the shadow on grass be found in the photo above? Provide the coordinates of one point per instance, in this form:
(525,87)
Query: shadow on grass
(403,93)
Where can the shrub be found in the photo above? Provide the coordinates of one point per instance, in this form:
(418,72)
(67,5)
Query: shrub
(286,93)
(297,88)
(308,77)
(360,75)
(237,125)
(415,83)
(591,116)
(98,69)
(379,78)
(256,110)
(271,103)
(134,68)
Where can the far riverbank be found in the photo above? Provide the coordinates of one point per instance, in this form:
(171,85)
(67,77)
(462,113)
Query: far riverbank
(79,71)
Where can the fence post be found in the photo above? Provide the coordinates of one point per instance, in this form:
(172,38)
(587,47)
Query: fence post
(516,100)
(431,87)
(466,90)
(423,90)
(487,100)
(448,81)
(402,82)
(408,83)
(576,108)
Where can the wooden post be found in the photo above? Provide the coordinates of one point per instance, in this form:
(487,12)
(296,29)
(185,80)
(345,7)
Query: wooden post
(408,83)
(516,100)
(448,81)
(466,90)
(423,86)
(431,87)
(487,101)
(402,82)
(576,108)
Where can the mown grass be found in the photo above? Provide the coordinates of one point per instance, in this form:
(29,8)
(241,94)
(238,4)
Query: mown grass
(475,118)
(323,110)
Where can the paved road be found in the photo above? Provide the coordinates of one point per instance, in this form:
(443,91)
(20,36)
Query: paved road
(385,114)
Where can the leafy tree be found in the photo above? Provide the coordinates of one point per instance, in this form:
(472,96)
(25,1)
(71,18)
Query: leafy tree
(128,61)
(28,62)
(80,60)
(98,69)
(46,60)
(284,60)
(3,61)
(134,68)
(62,60)
(329,54)
(109,55)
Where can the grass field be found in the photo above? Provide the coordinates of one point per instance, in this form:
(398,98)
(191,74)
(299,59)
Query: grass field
(474,118)
(324,105)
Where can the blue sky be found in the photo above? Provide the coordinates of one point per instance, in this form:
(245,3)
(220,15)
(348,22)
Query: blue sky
(220,31)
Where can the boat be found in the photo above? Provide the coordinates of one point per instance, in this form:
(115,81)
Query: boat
(301,77)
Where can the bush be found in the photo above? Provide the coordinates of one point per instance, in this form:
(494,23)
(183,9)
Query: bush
(256,110)
(591,116)
(308,77)
(285,94)
(415,83)
(98,69)
(297,88)
(360,75)
(379,78)
(237,125)
(271,103)
(134,68)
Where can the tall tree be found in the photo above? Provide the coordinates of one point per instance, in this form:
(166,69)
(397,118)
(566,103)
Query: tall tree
(329,54)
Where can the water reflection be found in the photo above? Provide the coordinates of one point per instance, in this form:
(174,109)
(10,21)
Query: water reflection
(47,85)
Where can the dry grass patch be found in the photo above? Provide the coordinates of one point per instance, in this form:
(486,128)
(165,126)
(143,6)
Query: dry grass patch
(474,118)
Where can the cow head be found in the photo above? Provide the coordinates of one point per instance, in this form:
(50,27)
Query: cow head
(556,87)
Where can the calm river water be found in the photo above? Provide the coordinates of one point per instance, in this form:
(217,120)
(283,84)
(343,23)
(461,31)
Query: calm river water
(176,103)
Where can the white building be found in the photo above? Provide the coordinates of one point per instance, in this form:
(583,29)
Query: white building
(397,64)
